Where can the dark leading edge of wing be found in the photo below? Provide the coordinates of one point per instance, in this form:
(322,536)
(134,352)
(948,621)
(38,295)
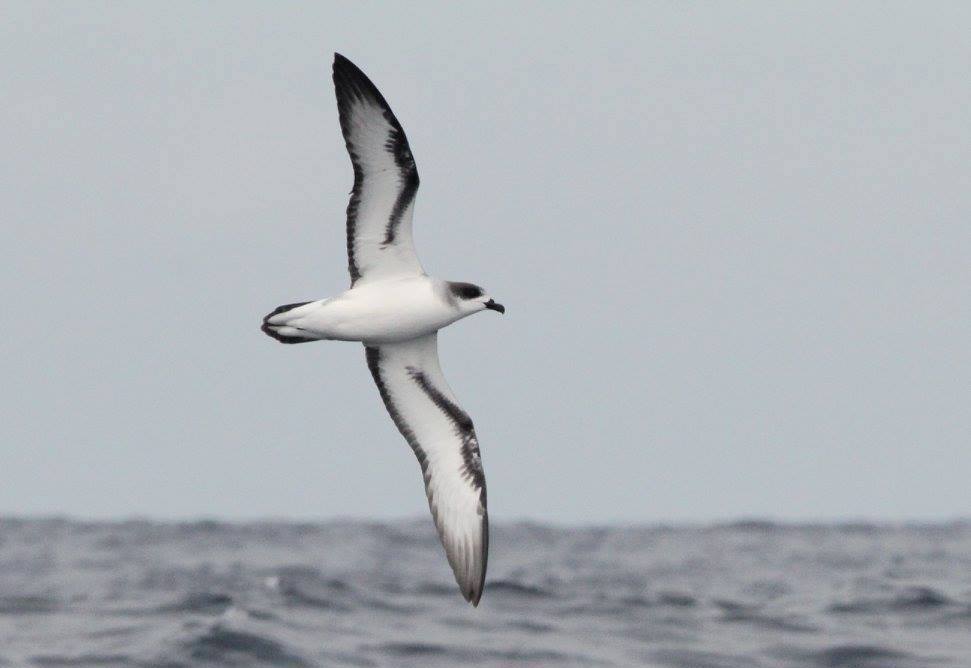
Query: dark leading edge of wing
(384,169)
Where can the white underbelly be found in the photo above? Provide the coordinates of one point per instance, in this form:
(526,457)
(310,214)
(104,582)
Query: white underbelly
(384,314)
(382,328)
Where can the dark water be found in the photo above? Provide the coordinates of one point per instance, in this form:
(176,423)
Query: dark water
(355,594)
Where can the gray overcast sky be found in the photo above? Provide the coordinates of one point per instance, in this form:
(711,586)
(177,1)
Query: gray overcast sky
(733,241)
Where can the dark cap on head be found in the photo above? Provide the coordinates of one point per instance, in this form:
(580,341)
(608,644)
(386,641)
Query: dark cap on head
(465,290)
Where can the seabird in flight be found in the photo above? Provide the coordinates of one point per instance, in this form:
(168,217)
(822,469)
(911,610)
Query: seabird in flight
(395,309)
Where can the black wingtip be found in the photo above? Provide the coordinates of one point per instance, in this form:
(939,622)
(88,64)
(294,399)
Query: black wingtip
(344,68)
(351,82)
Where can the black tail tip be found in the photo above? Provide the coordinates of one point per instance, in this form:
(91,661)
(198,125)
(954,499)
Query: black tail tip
(282,309)
(282,338)
(269,329)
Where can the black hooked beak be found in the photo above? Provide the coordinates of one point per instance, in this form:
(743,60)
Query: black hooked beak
(492,305)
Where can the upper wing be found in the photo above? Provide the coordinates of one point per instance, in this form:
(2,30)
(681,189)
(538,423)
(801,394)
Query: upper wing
(379,243)
(423,408)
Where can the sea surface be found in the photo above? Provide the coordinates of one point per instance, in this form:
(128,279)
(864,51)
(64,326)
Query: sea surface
(741,595)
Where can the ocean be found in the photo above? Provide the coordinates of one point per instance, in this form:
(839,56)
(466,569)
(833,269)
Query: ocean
(344,593)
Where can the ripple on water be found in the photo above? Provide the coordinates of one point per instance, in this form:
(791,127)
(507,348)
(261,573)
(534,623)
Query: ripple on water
(462,655)
(224,646)
(853,656)
(296,596)
(199,602)
(55,661)
(28,605)
(756,616)
(685,658)
(912,599)
(677,600)
(519,589)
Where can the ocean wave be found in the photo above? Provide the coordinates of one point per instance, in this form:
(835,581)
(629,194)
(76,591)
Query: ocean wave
(912,599)
(28,605)
(519,589)
(853,656)
(198,602)
(235,648)
(686,658)
(204,594)
(460,654)
(56,661)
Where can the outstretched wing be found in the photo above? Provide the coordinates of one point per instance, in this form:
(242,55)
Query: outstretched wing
(423,408)
(379,243)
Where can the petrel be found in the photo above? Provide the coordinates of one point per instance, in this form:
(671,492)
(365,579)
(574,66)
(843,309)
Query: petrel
(395,309)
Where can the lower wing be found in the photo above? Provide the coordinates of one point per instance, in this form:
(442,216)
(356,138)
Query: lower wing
(411,383)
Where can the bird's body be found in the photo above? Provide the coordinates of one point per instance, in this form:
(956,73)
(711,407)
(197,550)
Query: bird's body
(395,309)
(384,311)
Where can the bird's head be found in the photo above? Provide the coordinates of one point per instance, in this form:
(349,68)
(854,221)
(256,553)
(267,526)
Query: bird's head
(471,298)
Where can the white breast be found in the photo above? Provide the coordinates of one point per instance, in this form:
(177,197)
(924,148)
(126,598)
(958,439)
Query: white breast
(382,312)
